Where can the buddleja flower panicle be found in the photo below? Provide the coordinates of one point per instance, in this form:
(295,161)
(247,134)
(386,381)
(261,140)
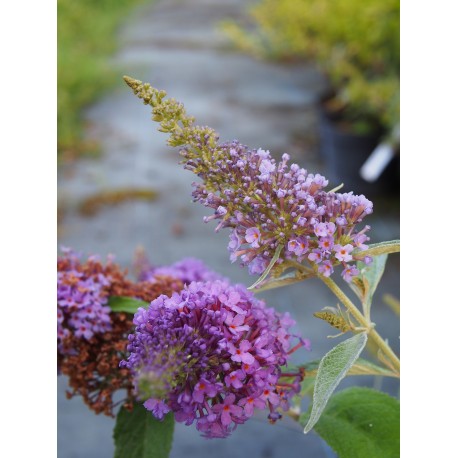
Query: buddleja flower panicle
(210,354)
(266,204)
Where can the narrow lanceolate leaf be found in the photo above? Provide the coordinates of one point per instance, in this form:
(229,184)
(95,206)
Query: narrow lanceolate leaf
(364,367)
(360,367)
(138,434)
(126,304)
(331,370)
(361,423)
(375,249)
(269,267)
(286,279)
(341,185)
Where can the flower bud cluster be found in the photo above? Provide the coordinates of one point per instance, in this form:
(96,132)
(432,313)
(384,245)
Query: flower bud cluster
(211,354)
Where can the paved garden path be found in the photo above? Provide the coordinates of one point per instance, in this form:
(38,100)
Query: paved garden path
(176,45)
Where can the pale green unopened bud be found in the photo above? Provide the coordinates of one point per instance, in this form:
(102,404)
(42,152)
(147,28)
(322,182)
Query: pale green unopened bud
(151,385)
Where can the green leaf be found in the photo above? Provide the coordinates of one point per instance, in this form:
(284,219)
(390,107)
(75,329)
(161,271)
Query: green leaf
(269,267)
(126,304)
(375,249)
(285,279)
(341,185)
(371,275)
(360,367)
(307,386)
(361,423)
(138,434)
(364,367)
(331,370)
(359,286)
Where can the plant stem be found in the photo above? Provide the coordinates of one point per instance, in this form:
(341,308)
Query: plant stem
(373,334)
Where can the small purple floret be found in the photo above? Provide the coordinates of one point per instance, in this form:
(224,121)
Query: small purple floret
(253,236)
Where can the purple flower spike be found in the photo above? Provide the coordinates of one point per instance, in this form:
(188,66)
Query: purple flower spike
(270,204)
(194,354)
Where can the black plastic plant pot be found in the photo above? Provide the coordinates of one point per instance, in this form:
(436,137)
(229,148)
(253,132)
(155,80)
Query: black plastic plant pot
(345,152)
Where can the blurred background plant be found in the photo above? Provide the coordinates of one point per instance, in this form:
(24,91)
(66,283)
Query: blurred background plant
(86,39)
(354,42)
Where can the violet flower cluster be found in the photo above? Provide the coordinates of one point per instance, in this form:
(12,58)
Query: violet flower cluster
(270,205)
(186,270)
(81,298)
(211,354)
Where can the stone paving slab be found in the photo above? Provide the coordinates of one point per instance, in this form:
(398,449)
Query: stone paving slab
(176,45)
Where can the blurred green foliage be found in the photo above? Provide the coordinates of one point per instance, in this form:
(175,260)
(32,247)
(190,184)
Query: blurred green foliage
(86,38)
(355,42)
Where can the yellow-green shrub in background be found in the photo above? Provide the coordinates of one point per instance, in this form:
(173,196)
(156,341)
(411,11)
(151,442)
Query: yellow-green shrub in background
(355,42)
(86,38)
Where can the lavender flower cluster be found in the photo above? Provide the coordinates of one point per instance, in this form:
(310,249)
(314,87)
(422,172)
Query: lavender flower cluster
(211,354)
(268,205)
(187,270)
(81,298)
(275,211)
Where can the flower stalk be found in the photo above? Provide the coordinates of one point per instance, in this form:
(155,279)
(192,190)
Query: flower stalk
(372,333)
